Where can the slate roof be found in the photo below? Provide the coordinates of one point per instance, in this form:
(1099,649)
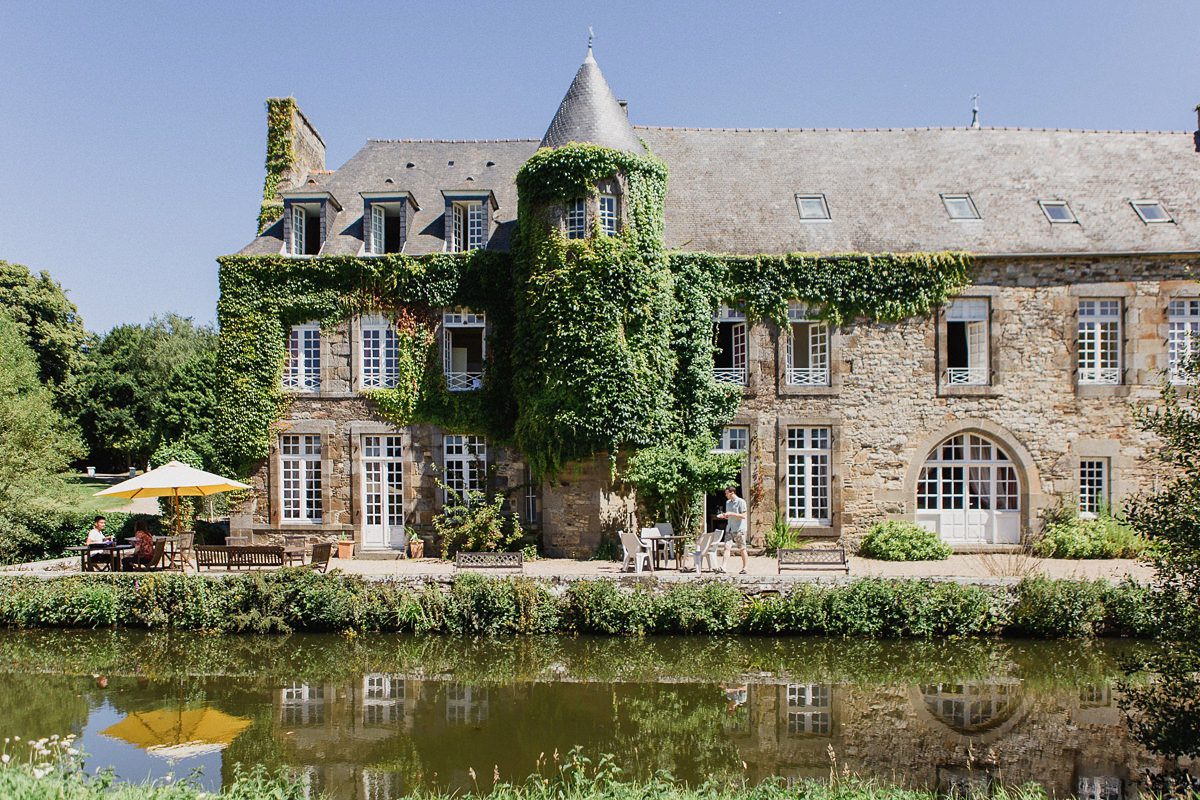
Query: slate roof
(733,191)
(590,113)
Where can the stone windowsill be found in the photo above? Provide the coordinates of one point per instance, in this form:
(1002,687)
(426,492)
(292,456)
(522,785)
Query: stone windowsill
(1101,390)
(969,391)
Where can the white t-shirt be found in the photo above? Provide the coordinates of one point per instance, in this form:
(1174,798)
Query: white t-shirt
(95,536)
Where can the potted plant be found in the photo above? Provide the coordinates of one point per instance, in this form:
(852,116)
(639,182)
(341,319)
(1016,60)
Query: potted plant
(345,545)
(416,545)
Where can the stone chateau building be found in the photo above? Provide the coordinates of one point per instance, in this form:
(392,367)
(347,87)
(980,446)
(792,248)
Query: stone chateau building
(1012,398)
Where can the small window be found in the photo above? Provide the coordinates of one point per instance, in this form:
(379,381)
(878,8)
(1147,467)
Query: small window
(734,439)
(1057,210)
(1093,485)
(464,348)
(577,219)
(960,206)
(470,226)
(608,214)
(812,206)
(967,355)
(1150,211)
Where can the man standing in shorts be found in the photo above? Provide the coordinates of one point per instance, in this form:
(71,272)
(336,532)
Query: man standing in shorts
(735,527)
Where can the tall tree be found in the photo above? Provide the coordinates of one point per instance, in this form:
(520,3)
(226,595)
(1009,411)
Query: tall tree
(134,375)
(36,442)
(47,320)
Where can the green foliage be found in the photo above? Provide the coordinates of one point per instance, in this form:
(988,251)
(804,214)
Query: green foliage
(1066,535)
(36,443)
(1170,517)
(669,478)
(473,523)
(294,600)
(47,320)
(780,536)
(896,540)
(1163,713)
(136,373)
(32,533)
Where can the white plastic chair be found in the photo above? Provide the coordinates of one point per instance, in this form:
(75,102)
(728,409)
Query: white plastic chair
(635,551)
(666,529)
(705,552)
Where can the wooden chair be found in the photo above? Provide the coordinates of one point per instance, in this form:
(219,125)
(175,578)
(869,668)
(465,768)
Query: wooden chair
(155,562)
(187,540)
(293,548)
(97,562)
(321,553)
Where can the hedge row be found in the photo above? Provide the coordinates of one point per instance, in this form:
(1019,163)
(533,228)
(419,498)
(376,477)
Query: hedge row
(299,600)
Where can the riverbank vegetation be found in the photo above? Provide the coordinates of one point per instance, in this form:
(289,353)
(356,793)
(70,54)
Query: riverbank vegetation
(292,600)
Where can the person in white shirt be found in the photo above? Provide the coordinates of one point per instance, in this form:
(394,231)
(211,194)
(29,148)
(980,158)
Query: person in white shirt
(735,527)
(96,536)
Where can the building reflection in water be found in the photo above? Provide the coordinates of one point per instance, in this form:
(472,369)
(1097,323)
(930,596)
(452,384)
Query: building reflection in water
(387,734)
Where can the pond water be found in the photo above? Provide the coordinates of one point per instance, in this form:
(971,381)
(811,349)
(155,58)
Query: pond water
(376,717)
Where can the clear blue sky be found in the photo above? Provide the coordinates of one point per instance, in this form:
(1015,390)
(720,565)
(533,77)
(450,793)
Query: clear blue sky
(132,134)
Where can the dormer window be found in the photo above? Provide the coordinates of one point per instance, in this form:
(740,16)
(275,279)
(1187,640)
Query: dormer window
(960,206)
(307,220)
(577,219)
(1150,211)
(812,207)
(386,217)
(1057,211)
(468,218)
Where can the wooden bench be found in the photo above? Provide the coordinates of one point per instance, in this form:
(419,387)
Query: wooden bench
(489,560)
(238,556)
(814,558)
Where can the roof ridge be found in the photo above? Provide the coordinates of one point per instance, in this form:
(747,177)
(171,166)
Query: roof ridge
(898,130)
(446,141)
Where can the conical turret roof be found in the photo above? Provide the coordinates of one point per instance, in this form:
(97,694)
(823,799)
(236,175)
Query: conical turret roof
(591,114)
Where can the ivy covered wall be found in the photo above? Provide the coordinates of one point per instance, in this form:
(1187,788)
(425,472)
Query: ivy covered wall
(595,345)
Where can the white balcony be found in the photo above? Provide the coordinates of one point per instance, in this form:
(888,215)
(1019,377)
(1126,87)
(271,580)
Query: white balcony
(967,376)
(463,381)
(735,375)
(808,376)
(1099,376)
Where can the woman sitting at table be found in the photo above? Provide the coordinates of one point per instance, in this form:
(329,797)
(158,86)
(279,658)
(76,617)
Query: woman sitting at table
(143,544)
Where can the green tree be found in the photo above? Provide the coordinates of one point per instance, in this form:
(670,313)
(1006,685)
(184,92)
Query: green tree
(1170,517)
(47,320)
(36,442)
(134,375)
(669,478)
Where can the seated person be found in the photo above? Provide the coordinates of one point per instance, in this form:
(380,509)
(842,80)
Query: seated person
(96,536)
(143,544)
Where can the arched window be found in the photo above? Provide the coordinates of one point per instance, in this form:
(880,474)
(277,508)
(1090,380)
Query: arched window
(968,492)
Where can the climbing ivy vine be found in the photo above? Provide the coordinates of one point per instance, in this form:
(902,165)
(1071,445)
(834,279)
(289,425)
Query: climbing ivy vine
(595,345)
(280,156)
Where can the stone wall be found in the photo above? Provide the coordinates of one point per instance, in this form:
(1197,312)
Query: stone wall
(887,407)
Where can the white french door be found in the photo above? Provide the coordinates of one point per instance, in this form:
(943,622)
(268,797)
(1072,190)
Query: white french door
(968,493)
(383,492)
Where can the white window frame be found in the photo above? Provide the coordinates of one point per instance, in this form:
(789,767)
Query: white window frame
(1183,336)
(1046,205)
(974,312)
(816,346)
(812,207)
(809,708)
(608,214)
(736,318)
(809,480)
(300,479)
(379,353)
(299,217)
(960,206)
(464,465)
(576,222)
(1142,206)
(531,499)
(733,439)
(460,319)
(468,231)
(302,372)
(1093,485)
(378,229)
(1099,342)
(382,488)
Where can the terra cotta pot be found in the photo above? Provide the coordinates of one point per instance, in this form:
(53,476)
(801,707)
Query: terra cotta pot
(345,548)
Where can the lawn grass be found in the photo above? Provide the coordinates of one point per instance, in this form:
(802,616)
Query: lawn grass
(80,497)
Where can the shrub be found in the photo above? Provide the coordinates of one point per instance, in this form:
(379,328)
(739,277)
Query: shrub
(780,535)
(36,534)
(895,540)
(475,524)
(1103,537)
(1058,608)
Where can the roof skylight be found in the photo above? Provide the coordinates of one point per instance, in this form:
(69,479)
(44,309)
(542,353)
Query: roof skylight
(1057,210)
(960,206)
(812,206)
(1150,211)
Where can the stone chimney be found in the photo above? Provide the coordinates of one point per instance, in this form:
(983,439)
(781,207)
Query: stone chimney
(294,149)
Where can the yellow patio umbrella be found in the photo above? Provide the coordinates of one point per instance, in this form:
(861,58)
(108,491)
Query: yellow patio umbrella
(175,733)
(173,479)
